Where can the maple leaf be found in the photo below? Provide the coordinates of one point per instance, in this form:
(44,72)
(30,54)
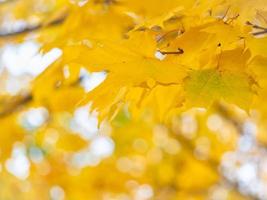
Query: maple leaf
(134,60)
(205,86)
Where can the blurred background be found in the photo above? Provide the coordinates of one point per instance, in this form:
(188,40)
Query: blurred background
(52,153)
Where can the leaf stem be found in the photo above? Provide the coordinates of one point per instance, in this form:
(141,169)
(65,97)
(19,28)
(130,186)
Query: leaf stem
(179,51)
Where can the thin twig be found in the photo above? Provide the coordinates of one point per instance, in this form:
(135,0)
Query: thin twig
(33,27)
(263,30)
(179,51)
(9,105)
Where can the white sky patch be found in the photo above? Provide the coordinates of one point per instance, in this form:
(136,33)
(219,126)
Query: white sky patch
(249,128)
(25,58)
(246,143)
(66,71)
(84,122)
(144,192)
(21,63)
(14,85)
(246,165)
(214,122)
(18,165)
(189,126)
(159,55)
(10,26)
(57,193)
(90,80)
(36,154)
(84,158)
(102,146)
(247,173)
(34,118)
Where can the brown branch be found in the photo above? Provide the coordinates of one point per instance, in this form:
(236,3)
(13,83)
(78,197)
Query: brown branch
(255,26)
(260,33)
(263,30)
(31,28)
(179,51)
(9,105)
(231,19)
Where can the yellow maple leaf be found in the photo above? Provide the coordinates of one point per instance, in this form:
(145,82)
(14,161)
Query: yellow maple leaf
(206,86)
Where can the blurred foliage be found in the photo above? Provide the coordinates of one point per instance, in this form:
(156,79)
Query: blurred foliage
(146,99)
